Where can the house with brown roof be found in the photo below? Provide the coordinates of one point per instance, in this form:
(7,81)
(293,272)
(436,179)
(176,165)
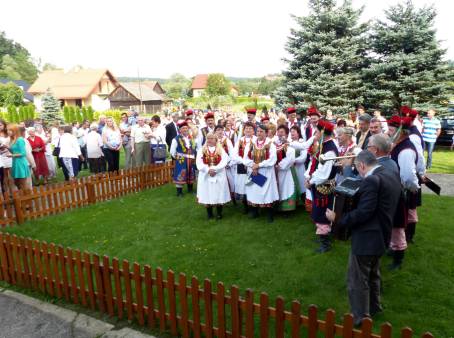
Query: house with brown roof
(77,87)
(199,85)
(145,97)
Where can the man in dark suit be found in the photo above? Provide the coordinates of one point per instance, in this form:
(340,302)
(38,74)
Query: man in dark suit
(370,224)
(380,146)
(362,136)
(172,129)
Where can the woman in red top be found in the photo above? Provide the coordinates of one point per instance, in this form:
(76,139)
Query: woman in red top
(39,154)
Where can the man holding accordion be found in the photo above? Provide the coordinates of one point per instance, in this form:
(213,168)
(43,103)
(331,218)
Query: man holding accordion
(370,225)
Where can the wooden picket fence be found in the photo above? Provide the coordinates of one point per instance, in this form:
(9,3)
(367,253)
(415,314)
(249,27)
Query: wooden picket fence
(166,301)
(56,198)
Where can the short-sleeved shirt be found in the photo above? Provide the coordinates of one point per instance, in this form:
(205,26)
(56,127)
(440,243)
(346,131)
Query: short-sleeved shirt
(137,132)
(430,126)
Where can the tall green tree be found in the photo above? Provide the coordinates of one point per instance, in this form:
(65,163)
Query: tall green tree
(10,94)
(15,61)
(177,86)
(407,65)
(217,85)
(327,52)
(50,108)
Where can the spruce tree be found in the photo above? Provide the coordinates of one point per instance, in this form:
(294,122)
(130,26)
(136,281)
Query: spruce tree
(51,108)
(407,65)
(327,53)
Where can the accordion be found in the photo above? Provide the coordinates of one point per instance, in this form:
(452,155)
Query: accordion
(344,195)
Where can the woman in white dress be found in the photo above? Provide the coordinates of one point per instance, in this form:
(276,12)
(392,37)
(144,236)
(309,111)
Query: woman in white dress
(301,148)
(240,173)
(227,145)
(260,158)
(212,184)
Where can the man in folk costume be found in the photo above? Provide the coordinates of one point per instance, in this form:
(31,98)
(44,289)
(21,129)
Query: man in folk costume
(240,173)
(288,184)
(320,179)
(251,119)
(301,152)
(311,125)
(417,140)
(212,186)
(265,120)
(405,155)
(183,150)
(291,117)
(260,158)
(227,145)
(209,128)
(189,118)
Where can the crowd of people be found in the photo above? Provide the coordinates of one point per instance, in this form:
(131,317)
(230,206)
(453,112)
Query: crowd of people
(273,163)
(281,162)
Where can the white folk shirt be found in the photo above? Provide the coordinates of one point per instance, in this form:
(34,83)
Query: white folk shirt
(174,145)
(406,161)
(321,174)
(212,190)
(269,192)
(138,133)
(240,179)
(303,147)
(286,184)
(420,166)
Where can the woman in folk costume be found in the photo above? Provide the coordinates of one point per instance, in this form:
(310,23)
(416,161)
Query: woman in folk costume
(288,185)
(228,148)
(320,179)
(183,150)
(229,130)
(240,174)
(260,158)
(301,152)
(212,184)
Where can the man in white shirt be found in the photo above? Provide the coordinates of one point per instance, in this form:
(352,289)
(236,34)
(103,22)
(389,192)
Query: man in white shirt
(140,142)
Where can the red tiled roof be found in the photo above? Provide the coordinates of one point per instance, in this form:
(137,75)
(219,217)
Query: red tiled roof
(200,81)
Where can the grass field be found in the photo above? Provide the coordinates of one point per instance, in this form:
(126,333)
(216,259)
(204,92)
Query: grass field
(442,161)
(154,227)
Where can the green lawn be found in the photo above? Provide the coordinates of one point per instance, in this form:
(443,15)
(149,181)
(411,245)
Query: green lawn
(154,227)
(442,161)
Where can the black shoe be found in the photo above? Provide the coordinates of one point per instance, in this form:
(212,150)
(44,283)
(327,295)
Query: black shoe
(191,189)
(179,192)
(254,212)
(398,258)
(209,212)
(219,212)
(410,232)
(270,215)
(325,244)
(375,312)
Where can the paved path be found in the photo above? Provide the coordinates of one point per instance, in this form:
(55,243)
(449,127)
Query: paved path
(445,181)
(26,317)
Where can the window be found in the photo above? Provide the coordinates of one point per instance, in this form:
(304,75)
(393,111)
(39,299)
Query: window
(79,103)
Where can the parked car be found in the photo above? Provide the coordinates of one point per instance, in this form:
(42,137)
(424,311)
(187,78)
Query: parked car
(447,130)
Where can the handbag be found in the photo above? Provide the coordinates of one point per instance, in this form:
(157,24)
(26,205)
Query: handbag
(159,151)
(56,150)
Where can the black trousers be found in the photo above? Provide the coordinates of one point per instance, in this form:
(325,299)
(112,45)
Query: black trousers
(363,284)
(113,159)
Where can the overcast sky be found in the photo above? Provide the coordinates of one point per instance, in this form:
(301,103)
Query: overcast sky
(236,37)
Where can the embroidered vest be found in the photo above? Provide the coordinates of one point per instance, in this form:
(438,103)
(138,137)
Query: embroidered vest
(211,159)
(327,147)
(181,145)
(259,154)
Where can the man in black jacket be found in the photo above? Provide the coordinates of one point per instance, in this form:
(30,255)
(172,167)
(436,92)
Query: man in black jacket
(171,130)
(362,136)
(370,224)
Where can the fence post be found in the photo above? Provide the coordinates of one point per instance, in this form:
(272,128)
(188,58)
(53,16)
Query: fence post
(91,196)
(18,208)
